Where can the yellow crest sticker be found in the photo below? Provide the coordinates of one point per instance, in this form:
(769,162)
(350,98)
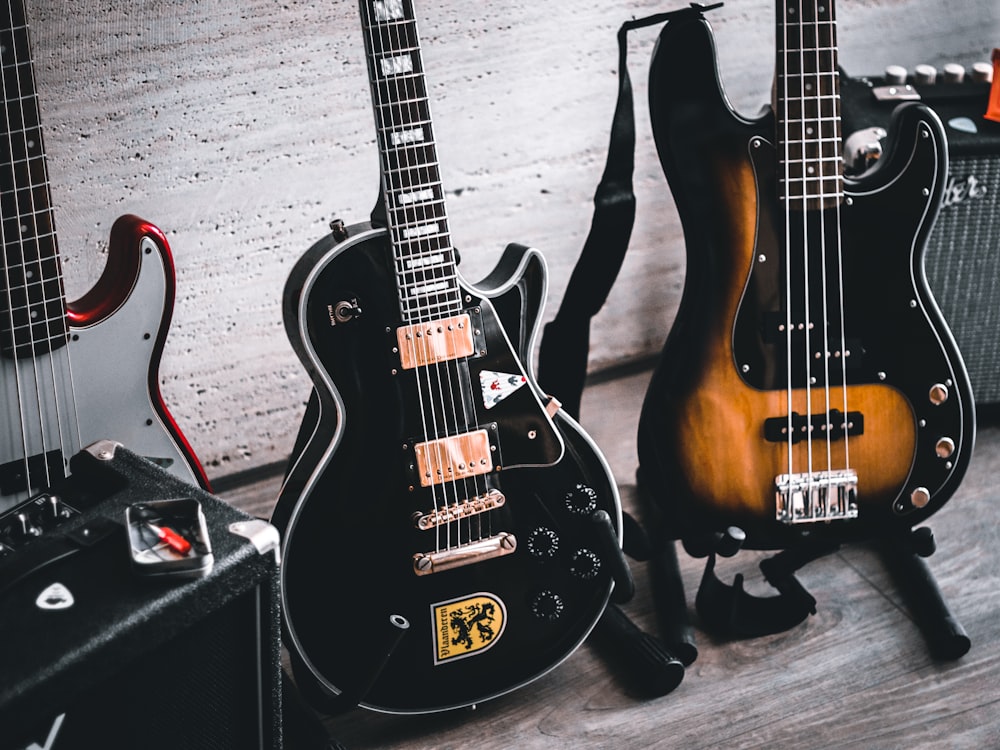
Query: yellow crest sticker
(467,626)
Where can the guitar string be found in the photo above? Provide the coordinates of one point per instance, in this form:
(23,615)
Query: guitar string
(817,83)
(385,120)
(8,288)
(23,242)
(806,264)
(448,373)
(36,237)
(471,485)
(420,275)
(417,168)
(789,321)
(72,418)
(827,93)
(841,196)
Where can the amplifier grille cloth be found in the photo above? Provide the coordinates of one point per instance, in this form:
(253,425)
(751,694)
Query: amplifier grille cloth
(963,268)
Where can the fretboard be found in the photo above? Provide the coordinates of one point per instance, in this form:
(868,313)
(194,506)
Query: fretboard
(426,273)
(808,104)
(32,302)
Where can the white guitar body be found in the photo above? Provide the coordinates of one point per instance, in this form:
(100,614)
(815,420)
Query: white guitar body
(104,383)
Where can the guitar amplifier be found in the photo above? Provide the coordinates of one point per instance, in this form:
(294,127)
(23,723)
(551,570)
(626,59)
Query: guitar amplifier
(97,652)
(962,258)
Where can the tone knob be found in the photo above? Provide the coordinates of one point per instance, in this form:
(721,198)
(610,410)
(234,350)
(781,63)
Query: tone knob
(945,447)
(920,497)
(543,543)
(581,500)
(938,394)
(547,605)
(924,74)
(585,564)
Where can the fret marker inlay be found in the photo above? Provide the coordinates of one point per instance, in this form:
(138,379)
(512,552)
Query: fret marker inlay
(421,230)
(396,65)
(388,10)
(403,137)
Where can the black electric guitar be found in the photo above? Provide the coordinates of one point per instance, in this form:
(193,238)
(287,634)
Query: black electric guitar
(809,384)
(433,483)
(72,373)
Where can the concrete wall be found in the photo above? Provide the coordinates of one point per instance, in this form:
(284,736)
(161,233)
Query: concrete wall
(243,127)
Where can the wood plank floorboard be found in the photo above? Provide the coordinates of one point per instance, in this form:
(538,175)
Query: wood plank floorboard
(857,674)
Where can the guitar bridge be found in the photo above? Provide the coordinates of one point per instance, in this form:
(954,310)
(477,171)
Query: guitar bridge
(425,563)
(816,496)
(487,501)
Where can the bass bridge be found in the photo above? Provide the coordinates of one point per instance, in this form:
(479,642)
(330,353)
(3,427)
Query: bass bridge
(818,496)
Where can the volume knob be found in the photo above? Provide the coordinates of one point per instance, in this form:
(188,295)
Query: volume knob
(543,543)
(547,605)
(585,564)
(581,500)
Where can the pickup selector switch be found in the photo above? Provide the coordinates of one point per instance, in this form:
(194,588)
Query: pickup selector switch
(581,500)
(547,605)
(543,543)
(585,564)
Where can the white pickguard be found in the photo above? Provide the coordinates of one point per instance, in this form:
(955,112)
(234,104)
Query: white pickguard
(95,388)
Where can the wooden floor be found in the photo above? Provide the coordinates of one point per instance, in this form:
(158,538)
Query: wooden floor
(857,674)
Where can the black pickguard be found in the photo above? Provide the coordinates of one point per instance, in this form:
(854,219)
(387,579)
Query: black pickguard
(345,509)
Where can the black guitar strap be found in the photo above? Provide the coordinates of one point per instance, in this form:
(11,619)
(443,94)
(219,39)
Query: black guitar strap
(562,355)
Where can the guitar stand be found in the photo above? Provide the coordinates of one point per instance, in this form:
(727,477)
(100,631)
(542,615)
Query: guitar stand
(730,610)
(903,556)
(644,659)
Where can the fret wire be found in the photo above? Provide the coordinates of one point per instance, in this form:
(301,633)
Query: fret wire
(402,112)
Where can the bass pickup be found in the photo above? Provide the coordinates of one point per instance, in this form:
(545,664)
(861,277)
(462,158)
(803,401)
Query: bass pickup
(816,426)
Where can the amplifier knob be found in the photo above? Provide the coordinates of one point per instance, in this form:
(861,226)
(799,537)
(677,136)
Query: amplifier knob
(585,564)
(953,73)
(543,543)
(581,500)
(895,74)
(924,74)
(547,605)
(982,72)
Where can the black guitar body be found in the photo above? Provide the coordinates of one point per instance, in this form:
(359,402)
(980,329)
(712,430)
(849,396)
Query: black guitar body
(705,450)
(346,510)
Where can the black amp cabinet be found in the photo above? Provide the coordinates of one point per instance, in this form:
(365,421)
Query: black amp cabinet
(962,259)
(94,654)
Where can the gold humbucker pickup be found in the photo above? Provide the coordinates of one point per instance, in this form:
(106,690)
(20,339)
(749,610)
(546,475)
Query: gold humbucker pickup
(456,511)
(441,340)
(455,457)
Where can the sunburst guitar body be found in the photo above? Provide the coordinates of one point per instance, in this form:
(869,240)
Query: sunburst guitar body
(809,384)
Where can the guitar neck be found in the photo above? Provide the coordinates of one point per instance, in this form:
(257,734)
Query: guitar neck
(426,268)
(808,104)
(32,302)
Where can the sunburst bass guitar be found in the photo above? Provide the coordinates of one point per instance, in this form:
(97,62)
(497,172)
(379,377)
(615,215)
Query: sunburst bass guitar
(435,492)
(72,373)
(809,385)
